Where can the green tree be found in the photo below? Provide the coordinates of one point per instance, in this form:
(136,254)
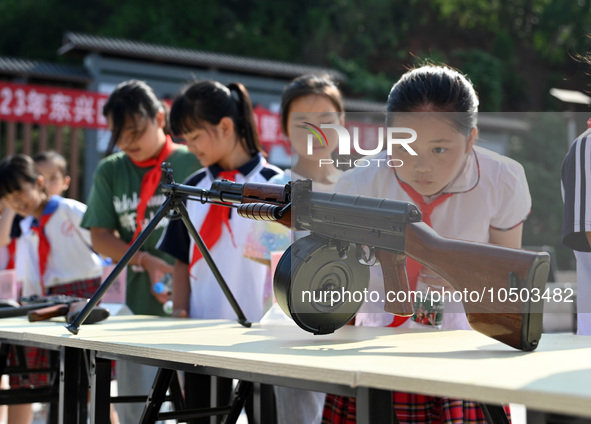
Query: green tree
(541,151)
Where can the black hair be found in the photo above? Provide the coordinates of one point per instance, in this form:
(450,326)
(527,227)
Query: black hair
(304,85)
(130,99)
(55,158)
(208,102)
(15,170)
(435,89)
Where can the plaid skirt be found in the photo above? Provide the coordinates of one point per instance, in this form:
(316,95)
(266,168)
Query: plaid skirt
(80,288)
(410,409)
(36,358)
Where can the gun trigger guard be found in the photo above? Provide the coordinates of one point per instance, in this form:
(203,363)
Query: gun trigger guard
(366,255)
(342,249)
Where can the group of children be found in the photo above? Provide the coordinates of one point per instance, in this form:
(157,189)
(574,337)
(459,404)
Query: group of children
(34,217)
(463,191)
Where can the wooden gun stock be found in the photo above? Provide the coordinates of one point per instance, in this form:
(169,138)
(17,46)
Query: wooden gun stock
(487,274)
(43,314)
(70,311)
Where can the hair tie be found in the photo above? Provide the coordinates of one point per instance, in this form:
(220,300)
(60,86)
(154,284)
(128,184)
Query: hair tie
(234,94)
(223,87)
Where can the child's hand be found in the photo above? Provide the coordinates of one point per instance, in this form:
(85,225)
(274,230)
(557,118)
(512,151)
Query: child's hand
(180,313)
(5,208)
(156,268)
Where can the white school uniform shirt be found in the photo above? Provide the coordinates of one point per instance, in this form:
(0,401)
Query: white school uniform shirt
(294,405)
(4,257)
(576,222)
(70,257)
(245,278)
(490,191)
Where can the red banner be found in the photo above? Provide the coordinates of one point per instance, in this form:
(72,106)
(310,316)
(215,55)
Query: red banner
(269,127)
(39,104)
(47,105)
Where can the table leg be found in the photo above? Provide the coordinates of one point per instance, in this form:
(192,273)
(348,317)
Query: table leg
(494,414)
(263,404)
(157,395)
(177,393)
(73,389)
(100,389)
(241,394)
(374,406)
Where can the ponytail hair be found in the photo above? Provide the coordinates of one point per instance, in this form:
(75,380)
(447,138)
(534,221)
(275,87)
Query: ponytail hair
(131,99)
(208,102)
(435,89)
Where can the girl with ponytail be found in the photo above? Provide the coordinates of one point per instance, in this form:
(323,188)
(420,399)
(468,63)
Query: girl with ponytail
(463,190)
(217,122)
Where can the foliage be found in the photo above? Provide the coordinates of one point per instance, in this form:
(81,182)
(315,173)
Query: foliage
(513,50)
(361,82)
(541,151)
(548,26)
(497,42)
(486,73)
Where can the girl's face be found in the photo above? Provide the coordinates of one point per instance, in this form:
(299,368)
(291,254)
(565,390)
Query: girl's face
(213,143)
(56,183)
(314,109)
(29,200)
(141,138)
(441,153)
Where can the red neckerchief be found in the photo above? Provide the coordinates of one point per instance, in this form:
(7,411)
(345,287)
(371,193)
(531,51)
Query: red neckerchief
(150,182)
(589,123)
(216,217)
(413,268)
(11,252)
(43,249)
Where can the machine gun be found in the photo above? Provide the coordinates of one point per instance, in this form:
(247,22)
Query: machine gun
(347,231)
(41,308)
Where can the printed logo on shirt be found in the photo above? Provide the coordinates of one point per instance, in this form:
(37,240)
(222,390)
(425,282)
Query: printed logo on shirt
(126,208)
(67,229)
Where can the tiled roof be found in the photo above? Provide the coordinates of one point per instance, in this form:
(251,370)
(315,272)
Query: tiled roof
(76,42)
(45,70)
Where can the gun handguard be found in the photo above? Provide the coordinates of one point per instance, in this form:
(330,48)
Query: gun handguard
(260,201)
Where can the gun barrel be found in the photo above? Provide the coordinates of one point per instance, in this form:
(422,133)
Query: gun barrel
(260,211)
(9,312)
